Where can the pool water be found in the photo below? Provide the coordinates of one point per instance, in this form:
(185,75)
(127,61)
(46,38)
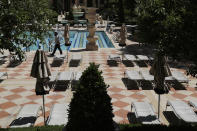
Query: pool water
(78,39)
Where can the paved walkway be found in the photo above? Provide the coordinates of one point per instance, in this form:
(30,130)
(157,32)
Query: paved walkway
(18,89)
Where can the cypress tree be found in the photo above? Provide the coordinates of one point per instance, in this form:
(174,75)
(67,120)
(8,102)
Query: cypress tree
(90,108)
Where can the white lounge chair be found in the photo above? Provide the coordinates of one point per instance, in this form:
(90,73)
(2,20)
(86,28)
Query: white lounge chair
(75,59)
(58,115)
(142,57)
(145,113)
(59,59)
(182,110)
(193,103)
(133,75)
(146,75)
(27,116)
(113,59)
(130,57)
(180,76)
(65,76)
(3,74)
(63,80)
(133,78)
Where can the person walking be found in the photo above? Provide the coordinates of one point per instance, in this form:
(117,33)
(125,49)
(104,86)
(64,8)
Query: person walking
(57,45)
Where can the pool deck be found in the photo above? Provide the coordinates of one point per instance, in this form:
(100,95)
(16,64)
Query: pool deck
(18,89)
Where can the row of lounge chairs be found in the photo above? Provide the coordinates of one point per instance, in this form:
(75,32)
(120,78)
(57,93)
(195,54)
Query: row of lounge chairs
(138,78)
(75,59)
(145,113)
(30,112)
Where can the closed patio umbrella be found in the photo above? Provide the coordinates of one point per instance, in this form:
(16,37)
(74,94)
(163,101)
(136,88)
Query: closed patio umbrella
(160,69)
(40,70)
(66,38)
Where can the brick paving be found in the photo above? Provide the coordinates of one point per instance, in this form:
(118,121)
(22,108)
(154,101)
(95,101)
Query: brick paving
(18,89)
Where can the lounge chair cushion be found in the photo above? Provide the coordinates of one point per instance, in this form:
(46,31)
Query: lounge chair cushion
(180,76)
(3,74)
(133,75)
(183,111)
(114,57)
(59,57)
(130,57)
(58,114)
(76,57)
(65,76)
(145,113)
(142,57)
(146,75)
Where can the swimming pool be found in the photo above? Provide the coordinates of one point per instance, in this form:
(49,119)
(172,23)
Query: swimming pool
(78,39)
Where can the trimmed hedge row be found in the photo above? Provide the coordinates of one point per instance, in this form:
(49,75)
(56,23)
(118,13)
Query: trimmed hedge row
(123,127)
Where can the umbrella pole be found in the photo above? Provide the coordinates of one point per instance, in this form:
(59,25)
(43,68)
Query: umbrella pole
(43,109)
(67,55)
(158,105)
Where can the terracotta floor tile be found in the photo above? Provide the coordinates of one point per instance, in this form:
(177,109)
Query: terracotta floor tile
(2,89)
(121,113)
(194,95)
(117,96)
(179,96)
(120,104)
(55,97)
(3,114)
(34,97)
(7,105)
(114,89)
(18,90)
(137,96)
(13,97)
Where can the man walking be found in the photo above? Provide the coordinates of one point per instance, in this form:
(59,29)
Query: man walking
(57,45)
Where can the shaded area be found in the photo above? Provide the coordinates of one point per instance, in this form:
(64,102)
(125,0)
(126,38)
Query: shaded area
(57,63)
(61,86)
(130,84)
(132,118)
(175,84)
(172,119)
(112,63)
(146,85)
(141,63)
(13,64)
(74,63)
(128,63)
(23,121)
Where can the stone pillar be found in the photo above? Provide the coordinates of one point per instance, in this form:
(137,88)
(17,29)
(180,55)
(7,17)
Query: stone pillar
(99,3)
(85,3)
(94,3)
(91,16)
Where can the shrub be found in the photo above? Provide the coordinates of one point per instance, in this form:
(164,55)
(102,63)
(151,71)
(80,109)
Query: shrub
(91,108)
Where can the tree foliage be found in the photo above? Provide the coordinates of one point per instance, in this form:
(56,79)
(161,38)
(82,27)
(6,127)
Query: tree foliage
(90,108)
(22,22)
(170,25)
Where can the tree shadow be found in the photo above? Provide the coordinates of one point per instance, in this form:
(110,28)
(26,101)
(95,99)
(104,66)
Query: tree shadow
(2,62)
(141,63)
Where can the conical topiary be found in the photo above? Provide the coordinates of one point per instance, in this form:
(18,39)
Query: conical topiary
(90,107)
